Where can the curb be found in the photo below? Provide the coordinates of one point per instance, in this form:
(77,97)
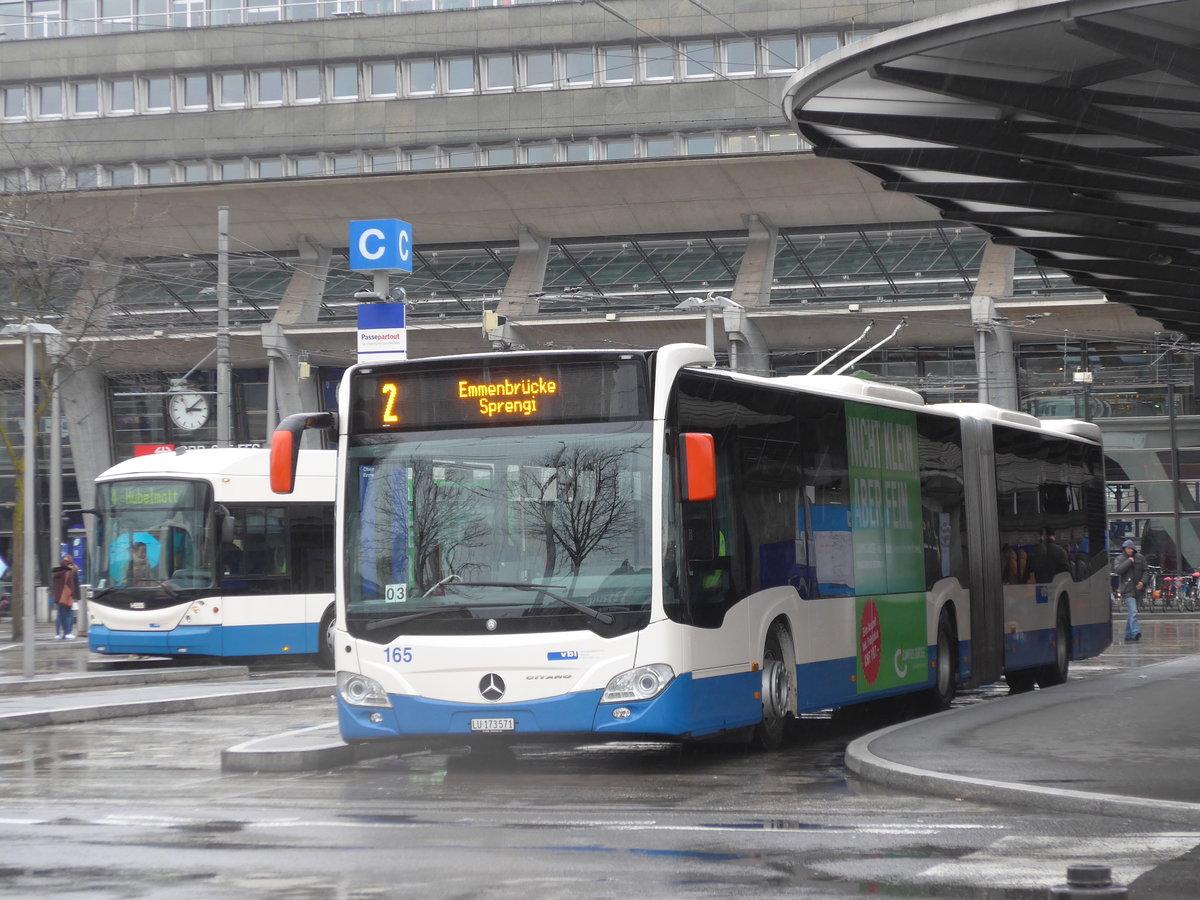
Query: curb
(113,709)
(16,684)
(865,764)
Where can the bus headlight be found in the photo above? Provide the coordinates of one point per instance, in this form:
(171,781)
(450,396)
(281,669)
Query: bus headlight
(359,690)
(642,683)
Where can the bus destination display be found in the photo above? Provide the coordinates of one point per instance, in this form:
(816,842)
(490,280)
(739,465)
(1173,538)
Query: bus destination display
(521,392)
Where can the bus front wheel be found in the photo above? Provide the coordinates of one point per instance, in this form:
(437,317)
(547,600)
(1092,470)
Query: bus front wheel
(325,638)
(945,676)
(778,689)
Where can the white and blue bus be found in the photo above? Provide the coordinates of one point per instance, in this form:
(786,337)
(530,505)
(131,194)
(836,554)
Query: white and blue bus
(196,556)
(636,544)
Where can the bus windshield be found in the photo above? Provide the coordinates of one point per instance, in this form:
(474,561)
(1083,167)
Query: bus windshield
(154,535)
(517,530)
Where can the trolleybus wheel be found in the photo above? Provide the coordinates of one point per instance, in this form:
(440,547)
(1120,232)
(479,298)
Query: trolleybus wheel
(778,689)
(1053,673)
(945,676)
(325,639)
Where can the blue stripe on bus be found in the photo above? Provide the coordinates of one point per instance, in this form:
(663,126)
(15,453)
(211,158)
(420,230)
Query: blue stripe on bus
(1090,640)
(207,640)
(688,707)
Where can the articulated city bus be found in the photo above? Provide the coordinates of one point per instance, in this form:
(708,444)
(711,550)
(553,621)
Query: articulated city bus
(636,544)
(197,556)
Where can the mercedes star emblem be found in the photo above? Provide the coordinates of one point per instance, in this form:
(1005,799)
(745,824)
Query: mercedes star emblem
(491,687)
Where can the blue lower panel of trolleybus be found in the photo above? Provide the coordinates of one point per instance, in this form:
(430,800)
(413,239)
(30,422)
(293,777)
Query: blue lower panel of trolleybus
(207,640)
(687,708)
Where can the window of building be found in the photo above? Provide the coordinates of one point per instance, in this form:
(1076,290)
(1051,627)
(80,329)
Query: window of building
(699,60)
(619,149)
(539,154)
(537,70)
(231,88)
(501,156)
(12,21)
(49,100)
(85,98)
(616,65)
(156,174)
(660,146)
(119,96)
(188,13)
(739,58)
(420,160)
(382,161)
(498,72)
(157,93)
(461,158)
(658,62)
(299,10)
(306,84)
(14,102)
(343,81)
(700,144)
(381,79)
(422,76)
(45,19)
(268,86)
(781,53)
(580,151)
(855,36)
(85,177)
(783,140)
(194,90)
(116,15)
(231,170)
(194,171)
(308,165)
(817,45)
(269,12)
(345,163)
(748,142)
(81,16)
(460,74)
(580,67)
(226,12)
(120,176)
(270,168)
(151,14)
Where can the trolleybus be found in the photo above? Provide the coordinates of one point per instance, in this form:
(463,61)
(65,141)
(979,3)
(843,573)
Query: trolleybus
(636,544)
(197,556)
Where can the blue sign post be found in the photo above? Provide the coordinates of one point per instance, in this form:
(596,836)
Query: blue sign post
(381,246)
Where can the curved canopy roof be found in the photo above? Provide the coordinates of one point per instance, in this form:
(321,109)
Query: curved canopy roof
(1067,128)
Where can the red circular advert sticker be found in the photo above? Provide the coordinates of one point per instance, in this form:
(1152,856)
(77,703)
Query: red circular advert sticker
(869,641)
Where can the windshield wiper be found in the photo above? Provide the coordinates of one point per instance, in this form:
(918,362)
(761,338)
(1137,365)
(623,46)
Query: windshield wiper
(396,620)
(588,611)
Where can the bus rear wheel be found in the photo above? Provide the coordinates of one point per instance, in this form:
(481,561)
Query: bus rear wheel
(325,638)
(945,676)
(778,689)
(1053,673)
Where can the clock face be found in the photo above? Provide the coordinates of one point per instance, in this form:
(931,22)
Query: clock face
(188,411)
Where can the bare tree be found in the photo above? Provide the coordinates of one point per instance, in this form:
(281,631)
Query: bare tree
(49,272)
(579,500)
(447,525)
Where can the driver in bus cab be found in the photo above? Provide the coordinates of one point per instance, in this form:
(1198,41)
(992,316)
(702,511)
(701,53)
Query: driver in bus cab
(140,571)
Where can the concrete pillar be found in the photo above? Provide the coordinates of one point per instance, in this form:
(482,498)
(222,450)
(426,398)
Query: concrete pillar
(301,302)
(994,358)
(292,392)
(527,276)
(753,285)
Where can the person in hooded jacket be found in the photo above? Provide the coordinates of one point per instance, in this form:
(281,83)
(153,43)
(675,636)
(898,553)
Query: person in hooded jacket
(1131,572)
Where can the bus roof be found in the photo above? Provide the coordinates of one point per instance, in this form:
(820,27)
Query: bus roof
(233,461)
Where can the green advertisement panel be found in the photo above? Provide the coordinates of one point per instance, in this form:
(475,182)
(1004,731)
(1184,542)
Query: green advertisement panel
(885,500)
(892,649)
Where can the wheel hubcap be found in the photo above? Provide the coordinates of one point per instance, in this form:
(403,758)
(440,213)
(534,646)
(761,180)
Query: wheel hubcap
(775,689)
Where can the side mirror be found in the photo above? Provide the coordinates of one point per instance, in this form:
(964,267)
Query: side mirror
(697,466)
(285,447)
